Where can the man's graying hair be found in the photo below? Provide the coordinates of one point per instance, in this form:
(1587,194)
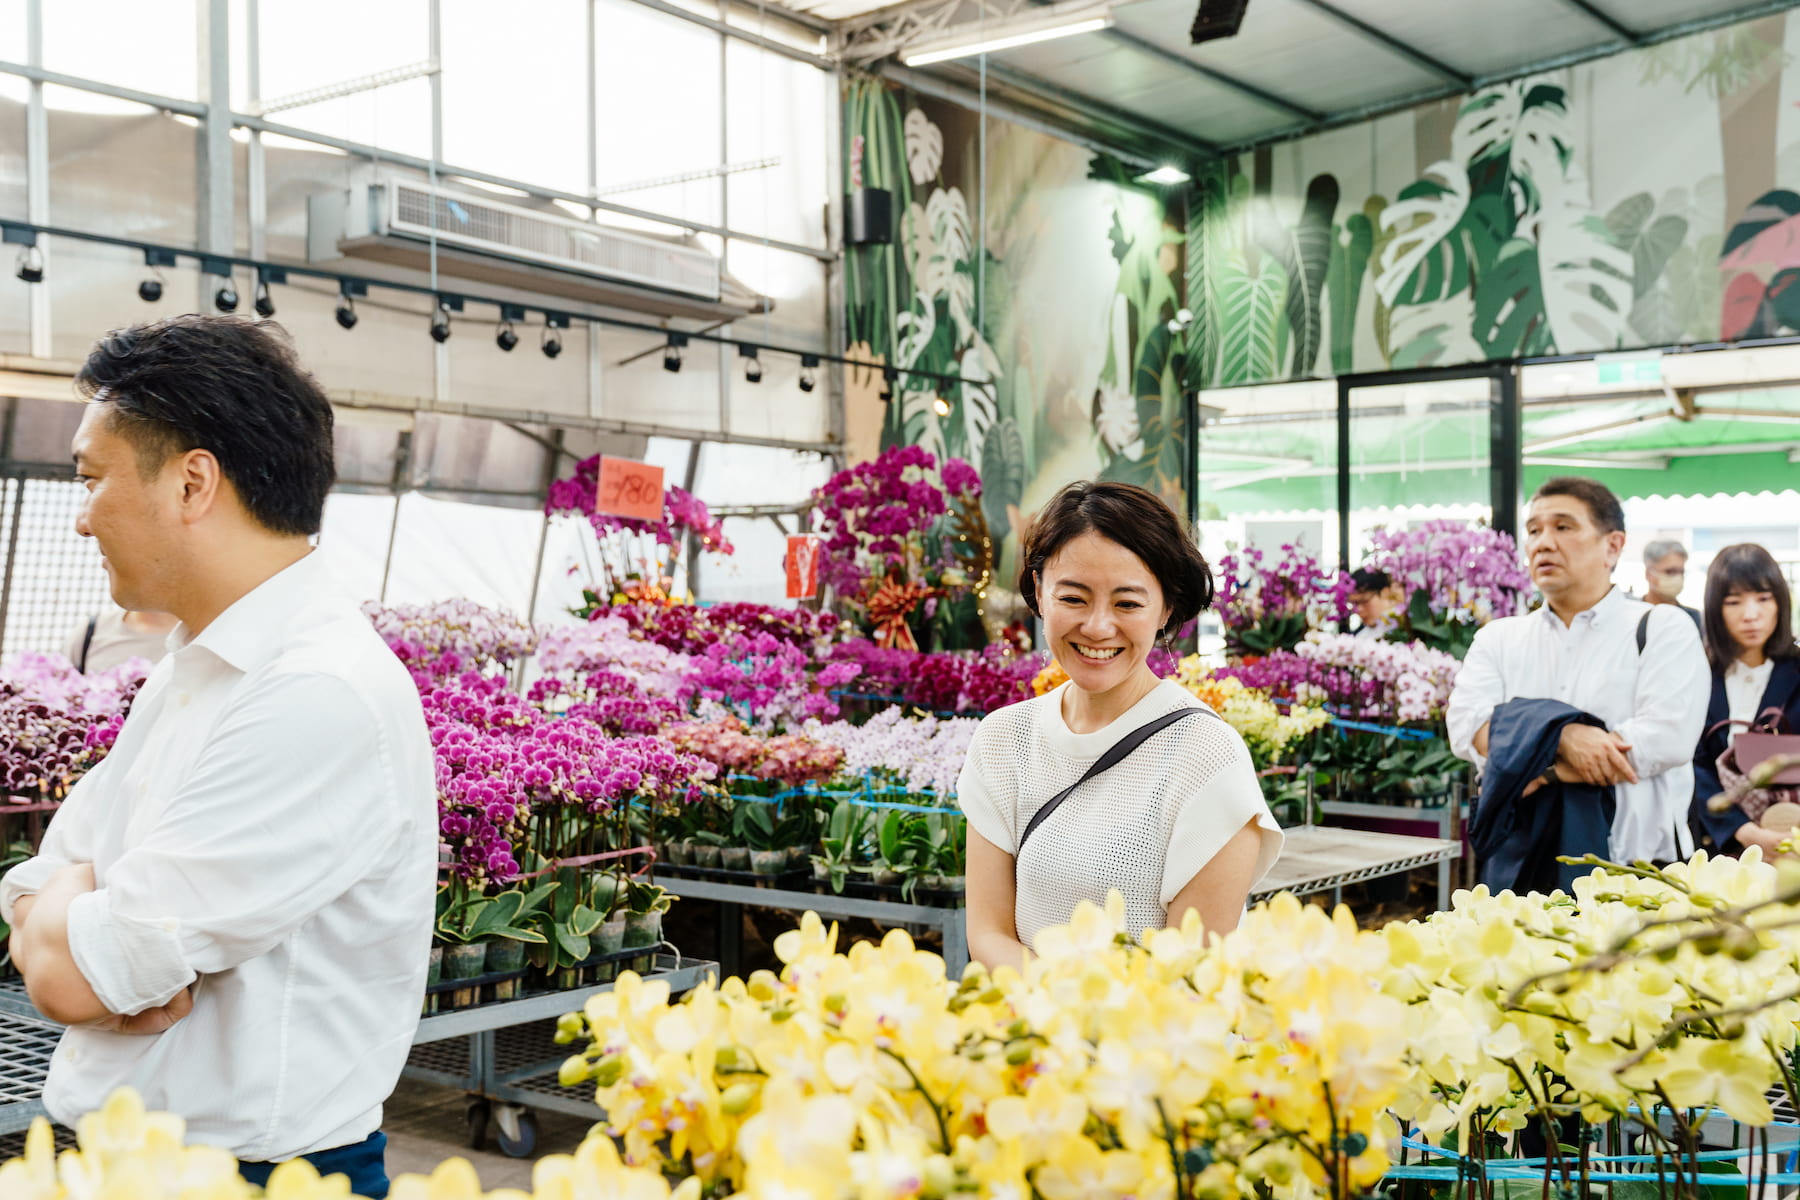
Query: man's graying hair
(1662,548)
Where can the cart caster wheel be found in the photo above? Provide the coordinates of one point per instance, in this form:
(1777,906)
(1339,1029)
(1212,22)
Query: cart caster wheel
(518,1133)
(477,1116)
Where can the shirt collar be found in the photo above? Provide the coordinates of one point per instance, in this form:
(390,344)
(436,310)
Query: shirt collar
(1739,670)
(249,633)
(1599,614)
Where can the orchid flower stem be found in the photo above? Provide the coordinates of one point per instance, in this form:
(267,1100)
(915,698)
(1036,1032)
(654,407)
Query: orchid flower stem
(919,1086)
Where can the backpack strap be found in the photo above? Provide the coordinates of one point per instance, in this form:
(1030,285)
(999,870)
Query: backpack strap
(87,642)
(1115,754)
(1643,632)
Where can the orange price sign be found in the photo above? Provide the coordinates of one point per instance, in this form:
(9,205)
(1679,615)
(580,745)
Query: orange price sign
(803,551)
(629,489)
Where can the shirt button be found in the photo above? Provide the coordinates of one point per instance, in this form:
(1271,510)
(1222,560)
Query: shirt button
(181,699)
(74,1055)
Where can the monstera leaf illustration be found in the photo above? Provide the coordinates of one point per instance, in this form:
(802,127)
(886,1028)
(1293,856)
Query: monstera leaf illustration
(924,148)
(1517,131)
(1509,315)
(1424,260)
(1586,279)
(1352,243)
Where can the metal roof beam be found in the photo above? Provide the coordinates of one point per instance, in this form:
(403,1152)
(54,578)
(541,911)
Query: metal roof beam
(1405,50)
(1595,13)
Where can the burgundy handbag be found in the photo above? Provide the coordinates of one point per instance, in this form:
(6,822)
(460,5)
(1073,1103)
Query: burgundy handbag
(1760,742)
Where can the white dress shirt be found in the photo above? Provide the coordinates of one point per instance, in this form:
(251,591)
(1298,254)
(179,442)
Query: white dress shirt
(1744,688)
(266,831)
(1656,701)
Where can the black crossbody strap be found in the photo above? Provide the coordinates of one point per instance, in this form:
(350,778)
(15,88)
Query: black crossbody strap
(1115,754)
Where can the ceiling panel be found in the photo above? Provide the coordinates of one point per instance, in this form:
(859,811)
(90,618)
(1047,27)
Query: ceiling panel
(1097,67)
(1343,70)
(1486,39)
(1649,16)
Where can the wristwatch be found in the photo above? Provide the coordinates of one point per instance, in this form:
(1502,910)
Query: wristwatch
(1548,777)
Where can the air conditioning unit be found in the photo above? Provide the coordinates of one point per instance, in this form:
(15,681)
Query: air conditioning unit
(487,240)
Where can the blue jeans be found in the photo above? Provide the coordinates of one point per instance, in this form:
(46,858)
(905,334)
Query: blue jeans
(365,1163)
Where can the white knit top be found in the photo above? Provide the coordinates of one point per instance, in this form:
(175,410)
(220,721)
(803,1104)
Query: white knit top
(1144,827)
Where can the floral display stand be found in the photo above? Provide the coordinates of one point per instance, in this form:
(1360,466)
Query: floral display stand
(1316,859)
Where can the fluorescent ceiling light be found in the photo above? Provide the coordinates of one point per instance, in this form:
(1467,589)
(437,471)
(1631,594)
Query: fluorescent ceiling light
(985,37)
(1166,175)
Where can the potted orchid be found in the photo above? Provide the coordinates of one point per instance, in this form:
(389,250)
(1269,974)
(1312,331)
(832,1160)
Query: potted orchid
(473,927)
(1456,575)
(845,831)
(644,906)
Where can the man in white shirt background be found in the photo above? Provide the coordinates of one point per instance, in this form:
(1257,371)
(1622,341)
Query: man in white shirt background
(232,912)
(1582,648)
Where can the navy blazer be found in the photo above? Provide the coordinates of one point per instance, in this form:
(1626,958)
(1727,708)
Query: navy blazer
(1783,692)
(1516,838)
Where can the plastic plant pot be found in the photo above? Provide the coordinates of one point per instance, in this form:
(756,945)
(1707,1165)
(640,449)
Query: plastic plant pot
(505,955)
(434,971)
(464,962)
(642,930)
(768,862)
(735,858)
(608,939)
(706,856)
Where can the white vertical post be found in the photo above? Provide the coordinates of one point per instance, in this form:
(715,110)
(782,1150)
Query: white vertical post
(218,188)
(257,164)
(37,178)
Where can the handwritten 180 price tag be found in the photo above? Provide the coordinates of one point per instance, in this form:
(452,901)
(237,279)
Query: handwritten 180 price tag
(629,489)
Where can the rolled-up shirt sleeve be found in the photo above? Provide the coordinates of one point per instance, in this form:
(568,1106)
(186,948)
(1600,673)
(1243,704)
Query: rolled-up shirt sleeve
(274,823)
(68,840)
(1477,692)
(1674,686)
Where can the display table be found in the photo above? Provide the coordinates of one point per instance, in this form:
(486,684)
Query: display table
(732,897)
(1317,859)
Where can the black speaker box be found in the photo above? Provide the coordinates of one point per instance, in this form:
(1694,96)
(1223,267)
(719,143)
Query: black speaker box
(1217,19)
(869,217)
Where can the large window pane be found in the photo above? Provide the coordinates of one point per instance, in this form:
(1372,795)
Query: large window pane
(151,45)
(1418,451)
(777,111)
(1268,468)
(515,91)
(657,79)
(324,42)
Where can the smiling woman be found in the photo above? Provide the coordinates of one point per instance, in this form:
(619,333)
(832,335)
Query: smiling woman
(1119,781)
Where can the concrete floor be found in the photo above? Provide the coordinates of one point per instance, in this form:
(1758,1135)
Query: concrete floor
(426,1124)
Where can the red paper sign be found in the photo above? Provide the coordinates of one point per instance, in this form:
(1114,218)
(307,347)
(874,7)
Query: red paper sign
(803,551)
(629,489)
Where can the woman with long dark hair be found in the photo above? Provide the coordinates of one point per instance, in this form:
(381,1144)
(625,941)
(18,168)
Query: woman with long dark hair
(1748,626)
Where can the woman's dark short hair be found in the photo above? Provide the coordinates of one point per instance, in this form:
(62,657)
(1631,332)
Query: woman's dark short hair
(1745,567)
(229,386)
(1602,505)
(1137,520)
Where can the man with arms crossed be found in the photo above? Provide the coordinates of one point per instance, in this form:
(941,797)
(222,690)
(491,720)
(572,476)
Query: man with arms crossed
(1581,648)
(232,912)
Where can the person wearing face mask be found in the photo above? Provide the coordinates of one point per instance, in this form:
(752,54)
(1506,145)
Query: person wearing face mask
(1116,780)
(1755,667)
(1581,711)
(1665,571)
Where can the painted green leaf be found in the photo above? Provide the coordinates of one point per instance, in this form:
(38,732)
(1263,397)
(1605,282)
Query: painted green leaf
(1651,252)
(1424,260)
(1307,257)
(1628,217)
(1002,471)
(1655,318)
(1585,279)
(1250,316)
(1351,246)
(1509,304)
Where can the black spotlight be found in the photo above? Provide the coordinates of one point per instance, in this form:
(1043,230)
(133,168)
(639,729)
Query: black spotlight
(226,298)
(888,376)
(150,290)
(346,312)
(440,323)
(264,304)
(672,352)
(551,341)
(506,339)
(31,264)
(808,364)
(753,369)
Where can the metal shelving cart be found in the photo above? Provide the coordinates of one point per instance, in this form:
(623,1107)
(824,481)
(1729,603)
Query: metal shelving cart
(1318,859)
(503,1054)
(733,897)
